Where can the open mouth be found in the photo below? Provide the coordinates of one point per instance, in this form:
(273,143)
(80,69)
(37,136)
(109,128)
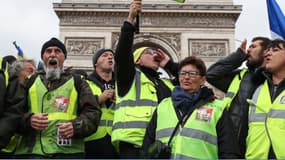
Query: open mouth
(157,59)
(267,59)
(110,62)
(52,62)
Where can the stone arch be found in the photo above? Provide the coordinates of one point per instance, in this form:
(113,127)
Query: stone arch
(156,42)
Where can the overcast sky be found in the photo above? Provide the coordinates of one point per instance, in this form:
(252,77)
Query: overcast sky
(32,22)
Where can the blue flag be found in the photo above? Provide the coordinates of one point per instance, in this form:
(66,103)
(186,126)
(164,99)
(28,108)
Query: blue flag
(276,20)
(20,54)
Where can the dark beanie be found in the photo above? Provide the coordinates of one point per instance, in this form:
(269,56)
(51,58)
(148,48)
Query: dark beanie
(9,59)
(54,42)
(98,53)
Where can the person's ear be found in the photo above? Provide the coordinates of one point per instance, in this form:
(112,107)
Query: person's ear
(138,61)
(203,80)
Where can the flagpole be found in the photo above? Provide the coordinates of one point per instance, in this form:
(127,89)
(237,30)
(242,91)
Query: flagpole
(137,24)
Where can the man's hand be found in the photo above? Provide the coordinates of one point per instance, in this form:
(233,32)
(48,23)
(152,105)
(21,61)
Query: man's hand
(162,57)
(65,129)
(107,94)
(39,121)
(135,8)
(243,46)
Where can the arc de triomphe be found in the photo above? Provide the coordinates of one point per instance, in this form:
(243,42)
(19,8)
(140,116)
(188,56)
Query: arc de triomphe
(204,28)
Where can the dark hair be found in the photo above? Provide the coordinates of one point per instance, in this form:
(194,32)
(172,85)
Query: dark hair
(277,43)
(265,41)
(197,62)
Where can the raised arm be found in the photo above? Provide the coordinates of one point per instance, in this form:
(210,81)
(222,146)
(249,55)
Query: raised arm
(221,73)
(124,63)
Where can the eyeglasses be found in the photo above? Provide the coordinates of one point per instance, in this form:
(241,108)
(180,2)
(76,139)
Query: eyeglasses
(189,73)
(150,51)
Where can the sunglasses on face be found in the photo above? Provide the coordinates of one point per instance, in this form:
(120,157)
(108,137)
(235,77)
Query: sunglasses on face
(150,51)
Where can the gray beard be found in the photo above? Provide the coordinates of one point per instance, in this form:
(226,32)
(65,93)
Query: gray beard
(53,73)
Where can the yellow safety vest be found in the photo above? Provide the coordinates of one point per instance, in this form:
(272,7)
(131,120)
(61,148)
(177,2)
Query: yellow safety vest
(134,110)
(61,106)
(13,142)
(197,139)
(106,120)
(266,124)
(5,71)
(233,88)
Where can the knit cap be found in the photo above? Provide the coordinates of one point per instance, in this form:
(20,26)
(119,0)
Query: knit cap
(54,42)
(98,53)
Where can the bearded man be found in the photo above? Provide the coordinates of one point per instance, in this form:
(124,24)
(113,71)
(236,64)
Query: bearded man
(61,110)
(240,83)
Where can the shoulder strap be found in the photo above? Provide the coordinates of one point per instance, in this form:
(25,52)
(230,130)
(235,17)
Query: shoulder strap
(77,82)
(184,119)
(241,73)
(173,133)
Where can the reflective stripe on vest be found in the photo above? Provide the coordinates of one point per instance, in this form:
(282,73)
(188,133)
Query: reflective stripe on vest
(164,133)
(197,138)
(106,123)
(180,156)
(234,87)
(204,136)
(266,124)
(61,106)
(137,102)
(188,132)
(134,110)
(5,71)
(106,119)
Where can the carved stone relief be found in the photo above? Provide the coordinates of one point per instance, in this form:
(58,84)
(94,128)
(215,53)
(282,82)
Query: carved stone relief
(172,39)
(115,38)
(170,42)
(150,20)
(83,46)
(208,48)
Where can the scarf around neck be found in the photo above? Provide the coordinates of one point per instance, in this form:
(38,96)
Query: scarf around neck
(183,100)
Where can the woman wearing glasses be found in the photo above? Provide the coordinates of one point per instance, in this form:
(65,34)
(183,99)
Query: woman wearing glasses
(196,121)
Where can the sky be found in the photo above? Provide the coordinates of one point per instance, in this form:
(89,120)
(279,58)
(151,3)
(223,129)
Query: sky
(32,22)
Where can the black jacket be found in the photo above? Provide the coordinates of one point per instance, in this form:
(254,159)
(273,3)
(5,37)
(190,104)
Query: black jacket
(227,144)
(220,75)
(125,66)
(12,101)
